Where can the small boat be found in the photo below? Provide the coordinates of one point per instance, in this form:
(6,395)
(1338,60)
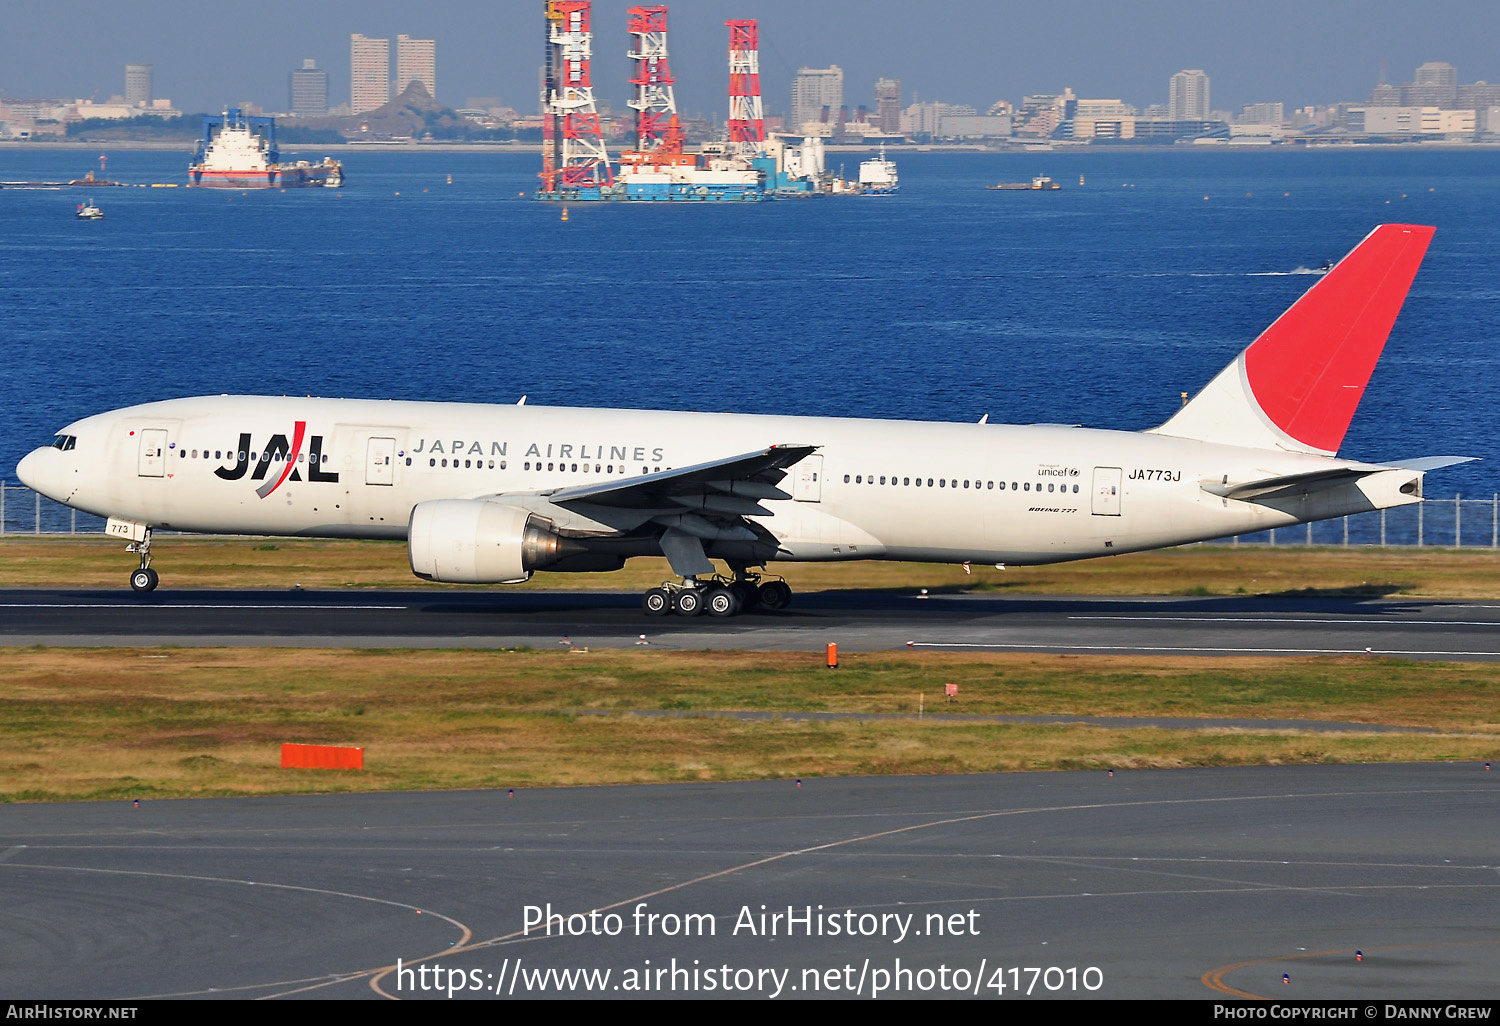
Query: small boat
(1039,183)
(89,212)
(878,177)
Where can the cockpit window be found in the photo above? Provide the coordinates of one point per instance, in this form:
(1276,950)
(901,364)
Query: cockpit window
(64,442)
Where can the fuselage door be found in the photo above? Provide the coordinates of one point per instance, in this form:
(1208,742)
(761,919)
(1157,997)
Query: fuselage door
(1107,485)
(153,459)
(808,483)
(380,461)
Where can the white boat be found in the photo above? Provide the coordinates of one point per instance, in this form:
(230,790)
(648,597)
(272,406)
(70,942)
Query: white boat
(877,176)
(233,155)
(89,212)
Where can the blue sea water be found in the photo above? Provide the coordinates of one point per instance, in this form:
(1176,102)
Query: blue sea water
(1094,305)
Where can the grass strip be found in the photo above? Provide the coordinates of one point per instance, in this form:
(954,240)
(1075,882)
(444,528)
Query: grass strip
(123,723)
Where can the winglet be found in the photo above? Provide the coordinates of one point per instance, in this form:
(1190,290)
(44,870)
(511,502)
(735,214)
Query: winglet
(1298,385)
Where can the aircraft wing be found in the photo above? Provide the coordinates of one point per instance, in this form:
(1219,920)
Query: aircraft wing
(731,485)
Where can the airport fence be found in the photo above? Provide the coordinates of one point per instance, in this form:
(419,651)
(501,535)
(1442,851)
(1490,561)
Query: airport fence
(1438,523)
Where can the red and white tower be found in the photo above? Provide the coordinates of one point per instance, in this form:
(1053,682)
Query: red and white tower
(653,103)
(573,153)
(747,123)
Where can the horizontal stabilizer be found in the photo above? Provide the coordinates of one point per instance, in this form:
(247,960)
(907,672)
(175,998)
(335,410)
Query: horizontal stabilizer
(1426,463)
(1270,487)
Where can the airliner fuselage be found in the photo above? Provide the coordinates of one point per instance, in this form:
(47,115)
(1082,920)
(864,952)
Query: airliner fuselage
(873,489)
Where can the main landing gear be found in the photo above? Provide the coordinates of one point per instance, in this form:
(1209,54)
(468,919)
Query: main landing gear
(145,579)
(717,596)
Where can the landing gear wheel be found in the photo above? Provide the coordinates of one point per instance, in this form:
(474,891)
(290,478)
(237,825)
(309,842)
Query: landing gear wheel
(722,602)
(689,602)
(775,595)
(144,580)
(747,593)
(656,602)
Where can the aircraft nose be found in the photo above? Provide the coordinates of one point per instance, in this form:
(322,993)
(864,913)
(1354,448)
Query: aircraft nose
(26,469)
(32,471)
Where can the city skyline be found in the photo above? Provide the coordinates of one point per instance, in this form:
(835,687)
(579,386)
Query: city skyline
(1270,52)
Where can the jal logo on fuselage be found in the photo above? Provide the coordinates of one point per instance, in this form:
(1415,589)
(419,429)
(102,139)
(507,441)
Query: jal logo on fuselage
(278,451)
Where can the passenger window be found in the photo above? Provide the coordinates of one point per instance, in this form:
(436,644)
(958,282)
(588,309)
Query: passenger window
(1075,489)
(942,482)
(1049,486)
(502,464)
(906,481)
(846,479)
(991,485)
(966,482)
(408,461)
(1028,486)
(432,463)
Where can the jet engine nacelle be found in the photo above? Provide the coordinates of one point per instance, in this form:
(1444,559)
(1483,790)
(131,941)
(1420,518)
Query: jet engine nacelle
(478,541)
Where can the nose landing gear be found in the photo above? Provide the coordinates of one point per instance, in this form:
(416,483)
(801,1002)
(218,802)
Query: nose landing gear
(145,579)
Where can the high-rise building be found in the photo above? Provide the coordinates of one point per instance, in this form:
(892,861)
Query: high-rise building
(816,92)
(138,85)
(416,61)
(369,73)
(1261,114)
(1188,99)
(1434,85)
(888,105)
(1436,73)
(309,90)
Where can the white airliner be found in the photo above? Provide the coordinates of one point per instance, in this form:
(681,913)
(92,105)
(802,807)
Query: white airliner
(489,494)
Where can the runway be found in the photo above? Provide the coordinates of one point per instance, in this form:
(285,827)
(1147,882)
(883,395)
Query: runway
(1179,884)
(856,621)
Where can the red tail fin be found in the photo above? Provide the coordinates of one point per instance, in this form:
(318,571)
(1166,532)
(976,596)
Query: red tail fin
(1298,385)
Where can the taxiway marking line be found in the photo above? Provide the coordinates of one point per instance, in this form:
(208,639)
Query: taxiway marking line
(182,605)
(1209,649)
(1291,619)
(1214,978)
